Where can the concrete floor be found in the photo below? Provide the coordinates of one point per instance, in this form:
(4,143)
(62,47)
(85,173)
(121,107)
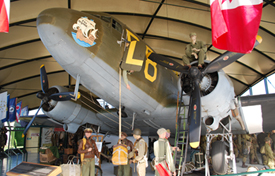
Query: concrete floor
(107,168)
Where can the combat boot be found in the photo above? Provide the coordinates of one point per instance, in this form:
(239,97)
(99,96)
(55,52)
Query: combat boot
(244,166)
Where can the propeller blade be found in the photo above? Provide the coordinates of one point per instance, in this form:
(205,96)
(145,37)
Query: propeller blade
(44,79)
(168,63)
(64,96)
(195,116)
(226,59)
(30,123)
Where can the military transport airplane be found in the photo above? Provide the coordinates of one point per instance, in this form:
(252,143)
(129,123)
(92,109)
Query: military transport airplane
(93,46)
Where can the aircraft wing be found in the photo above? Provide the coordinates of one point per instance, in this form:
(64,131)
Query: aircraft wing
(267,104)
(41,120)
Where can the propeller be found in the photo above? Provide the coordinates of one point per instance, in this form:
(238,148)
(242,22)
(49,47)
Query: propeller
(195,74)
(226,59)
(168,63)
(46,95)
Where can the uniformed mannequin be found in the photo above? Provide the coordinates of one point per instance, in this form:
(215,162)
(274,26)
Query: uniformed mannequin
(125,169)
(253,150)
(272,136)
(162,151)
(235,146)
(261,142)
(88,148)
(140,150)
(245,147)
(194,51)
(269,153)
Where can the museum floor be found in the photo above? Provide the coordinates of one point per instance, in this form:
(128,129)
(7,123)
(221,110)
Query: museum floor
(107,168)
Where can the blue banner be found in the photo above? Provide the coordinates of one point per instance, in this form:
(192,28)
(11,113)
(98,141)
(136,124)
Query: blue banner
(12,109)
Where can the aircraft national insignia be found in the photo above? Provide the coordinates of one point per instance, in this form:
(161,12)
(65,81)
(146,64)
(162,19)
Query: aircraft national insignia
(195,107)
(171,64)
(225,58)
(86,32)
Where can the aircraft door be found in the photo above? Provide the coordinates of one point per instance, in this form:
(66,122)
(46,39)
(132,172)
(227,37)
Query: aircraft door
(134,53)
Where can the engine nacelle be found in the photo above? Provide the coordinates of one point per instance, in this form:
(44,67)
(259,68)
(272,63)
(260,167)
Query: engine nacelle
(219,102)
(70,113)
(217,97)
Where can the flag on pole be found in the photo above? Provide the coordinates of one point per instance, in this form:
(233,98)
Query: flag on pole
(235,24)
(18,111)
(12,109)
(7,110)
(3,105)
(24,111)
(4,15)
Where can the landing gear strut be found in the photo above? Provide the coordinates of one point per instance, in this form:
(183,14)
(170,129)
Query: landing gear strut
(219,154)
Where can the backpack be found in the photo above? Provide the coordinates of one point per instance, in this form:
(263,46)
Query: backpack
(120,155)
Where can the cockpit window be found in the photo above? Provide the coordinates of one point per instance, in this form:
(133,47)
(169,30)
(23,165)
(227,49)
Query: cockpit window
(117,26)
(106,19)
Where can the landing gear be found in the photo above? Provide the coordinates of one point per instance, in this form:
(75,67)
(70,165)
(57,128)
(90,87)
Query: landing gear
(218,155)
(221,152)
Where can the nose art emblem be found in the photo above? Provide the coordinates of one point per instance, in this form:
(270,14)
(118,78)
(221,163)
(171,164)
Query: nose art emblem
(85,32)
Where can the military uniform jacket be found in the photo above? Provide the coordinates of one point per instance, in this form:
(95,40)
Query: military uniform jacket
(197,45)
(90,143)
(269,152)
(162,151)
(140,147)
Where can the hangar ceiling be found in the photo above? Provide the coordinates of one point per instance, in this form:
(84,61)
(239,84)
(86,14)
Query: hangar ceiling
(163,24)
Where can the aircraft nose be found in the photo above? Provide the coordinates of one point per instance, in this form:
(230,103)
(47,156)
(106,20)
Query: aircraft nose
(54,28)
(54,16)
(67,34)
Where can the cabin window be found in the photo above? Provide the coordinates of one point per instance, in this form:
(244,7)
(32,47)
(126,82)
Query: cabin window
(106,19)
(117,26)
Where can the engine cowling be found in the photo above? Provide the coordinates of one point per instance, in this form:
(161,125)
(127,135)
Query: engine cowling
(71,113)
(217,97)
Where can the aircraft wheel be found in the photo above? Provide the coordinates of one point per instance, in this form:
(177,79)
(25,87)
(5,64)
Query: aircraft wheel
(218,154)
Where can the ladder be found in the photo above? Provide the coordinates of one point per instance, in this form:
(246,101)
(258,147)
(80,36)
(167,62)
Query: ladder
(181,137)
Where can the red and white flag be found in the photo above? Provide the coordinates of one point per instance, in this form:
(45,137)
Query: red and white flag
(235,24)
(4,15)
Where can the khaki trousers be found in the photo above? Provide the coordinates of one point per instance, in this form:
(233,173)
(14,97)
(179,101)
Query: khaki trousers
(141,169)
(124,170)
(88,167)
(201,56)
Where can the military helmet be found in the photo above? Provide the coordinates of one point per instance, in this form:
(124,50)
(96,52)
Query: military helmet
(267,139)
(192,34)
(168,131)
(137,131)
(88,130)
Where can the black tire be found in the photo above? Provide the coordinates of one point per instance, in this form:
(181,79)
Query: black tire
(98,171)
(218,153)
